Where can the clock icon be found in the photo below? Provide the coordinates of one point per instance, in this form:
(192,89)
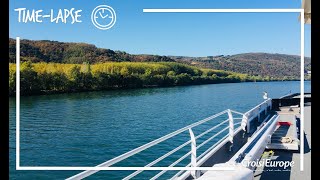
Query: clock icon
(103,17)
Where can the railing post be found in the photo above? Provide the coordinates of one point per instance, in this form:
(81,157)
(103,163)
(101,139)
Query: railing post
(195,174)
(231,126)
(245,123)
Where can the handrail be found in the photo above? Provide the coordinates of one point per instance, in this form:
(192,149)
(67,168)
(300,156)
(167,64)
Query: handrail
(269,126)
(209,130)
(143,147)
(168,136)
(158,160)
(174,150)
(286,95)
(261,140)
(171,165)
(257,106)
(200,158)
(204,153)
(206,141)
(253,113)
(236,112)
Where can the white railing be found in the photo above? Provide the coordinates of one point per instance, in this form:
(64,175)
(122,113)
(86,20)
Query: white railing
(288,94)
(257,143)
(255,113)
(249,152)
(196,161)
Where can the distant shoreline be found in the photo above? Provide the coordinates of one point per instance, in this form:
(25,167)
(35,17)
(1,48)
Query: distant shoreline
(43,93)
(57,78)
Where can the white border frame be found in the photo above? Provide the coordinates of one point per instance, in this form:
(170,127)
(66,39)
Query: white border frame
(301,11)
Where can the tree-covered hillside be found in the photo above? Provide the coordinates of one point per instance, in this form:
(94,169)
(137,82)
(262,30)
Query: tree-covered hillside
(263,64)
(75,53)
(273,66)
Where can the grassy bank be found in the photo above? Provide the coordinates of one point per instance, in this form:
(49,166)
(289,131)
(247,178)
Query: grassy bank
(47,78)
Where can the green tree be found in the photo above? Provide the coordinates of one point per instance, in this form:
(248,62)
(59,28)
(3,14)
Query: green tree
(124,71)
(28,79)
(171,73)
(12,80)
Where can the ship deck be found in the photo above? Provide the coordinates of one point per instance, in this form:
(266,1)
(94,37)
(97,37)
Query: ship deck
(293,173)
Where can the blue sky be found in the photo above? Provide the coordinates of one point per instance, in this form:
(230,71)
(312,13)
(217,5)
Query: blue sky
(186,34)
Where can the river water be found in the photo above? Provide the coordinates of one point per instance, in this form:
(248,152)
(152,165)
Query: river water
(86,129)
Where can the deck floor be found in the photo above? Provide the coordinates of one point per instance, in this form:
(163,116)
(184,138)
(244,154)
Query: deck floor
(288,131)
(294,173)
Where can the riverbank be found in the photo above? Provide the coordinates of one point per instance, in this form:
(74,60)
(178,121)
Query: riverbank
(54,78)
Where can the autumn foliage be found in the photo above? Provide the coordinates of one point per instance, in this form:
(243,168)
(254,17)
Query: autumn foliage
(46,78)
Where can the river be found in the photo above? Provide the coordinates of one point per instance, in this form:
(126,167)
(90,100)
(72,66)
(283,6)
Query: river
(86,129)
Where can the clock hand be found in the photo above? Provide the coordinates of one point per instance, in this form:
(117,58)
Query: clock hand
(103,16)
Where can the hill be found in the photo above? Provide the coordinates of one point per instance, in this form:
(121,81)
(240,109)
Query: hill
(273,66)
(262,64)
(74,53)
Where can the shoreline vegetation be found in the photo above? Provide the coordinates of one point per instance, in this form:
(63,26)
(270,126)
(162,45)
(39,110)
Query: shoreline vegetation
(274,65)
(51,67)
(52,78)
